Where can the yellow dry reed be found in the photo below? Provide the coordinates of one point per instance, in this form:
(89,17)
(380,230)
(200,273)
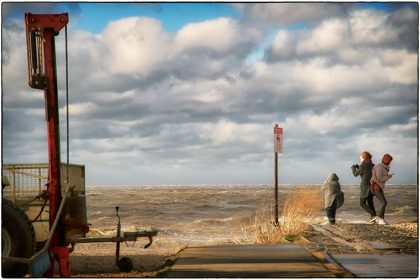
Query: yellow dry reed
(294,219)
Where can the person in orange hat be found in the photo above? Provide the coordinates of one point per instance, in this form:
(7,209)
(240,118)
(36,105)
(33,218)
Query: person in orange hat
(380,175)
(364,170)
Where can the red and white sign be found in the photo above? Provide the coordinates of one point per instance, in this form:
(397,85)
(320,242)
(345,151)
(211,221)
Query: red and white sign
(278,139)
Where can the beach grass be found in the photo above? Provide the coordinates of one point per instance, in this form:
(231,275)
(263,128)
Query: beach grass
(294,219)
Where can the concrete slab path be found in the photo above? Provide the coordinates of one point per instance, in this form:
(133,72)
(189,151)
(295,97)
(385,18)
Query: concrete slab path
(380,266)
(240,261)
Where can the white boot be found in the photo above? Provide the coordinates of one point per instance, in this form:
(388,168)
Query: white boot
(381,221)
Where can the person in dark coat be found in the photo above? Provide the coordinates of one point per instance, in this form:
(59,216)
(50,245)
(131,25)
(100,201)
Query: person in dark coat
(365,173)
(334,197)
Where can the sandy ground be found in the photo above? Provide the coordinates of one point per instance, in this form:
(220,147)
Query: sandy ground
(400,236)
(98,260)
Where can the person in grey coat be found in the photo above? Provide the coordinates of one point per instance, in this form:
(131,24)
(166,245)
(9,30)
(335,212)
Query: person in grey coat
(365,173)
(334,197)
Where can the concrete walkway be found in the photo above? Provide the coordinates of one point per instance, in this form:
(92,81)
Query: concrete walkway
(380,266)
(285,261)
(256,261)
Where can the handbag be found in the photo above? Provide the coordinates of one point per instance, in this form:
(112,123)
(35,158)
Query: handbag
(375,187)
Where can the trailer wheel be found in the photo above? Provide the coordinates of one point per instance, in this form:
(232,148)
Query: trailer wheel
(17,239)
(125,264)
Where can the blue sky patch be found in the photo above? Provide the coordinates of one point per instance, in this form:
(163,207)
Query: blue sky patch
(95,16)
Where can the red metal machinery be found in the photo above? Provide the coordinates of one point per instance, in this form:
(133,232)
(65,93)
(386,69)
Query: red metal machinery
(40,31)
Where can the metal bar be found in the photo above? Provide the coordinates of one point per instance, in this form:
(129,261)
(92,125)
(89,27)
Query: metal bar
(32,204)
(25,165)
(29,174)
(40,221)
(276,190)
(93,239)
(117,247)
(57,218)
(28,54)
(67,107)
(127,236)
(146,233)
(33,53)
(39,180)
(14,185)
(26,202)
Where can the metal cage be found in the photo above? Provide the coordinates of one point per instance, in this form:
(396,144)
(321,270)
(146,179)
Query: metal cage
(28,180)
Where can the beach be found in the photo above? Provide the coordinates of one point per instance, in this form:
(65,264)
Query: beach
(206,215)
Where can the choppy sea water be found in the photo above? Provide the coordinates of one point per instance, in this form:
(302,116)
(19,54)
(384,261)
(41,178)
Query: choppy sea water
(208,214)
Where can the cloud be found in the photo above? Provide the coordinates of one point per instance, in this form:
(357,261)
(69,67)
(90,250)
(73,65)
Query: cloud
(344,39)
(228,32)
(284,14)
(367,28)
(399,66)
(326,38)
(193,103)
(136,45)
(405,21)
(201,35)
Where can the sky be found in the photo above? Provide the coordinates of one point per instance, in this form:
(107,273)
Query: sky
(189,93)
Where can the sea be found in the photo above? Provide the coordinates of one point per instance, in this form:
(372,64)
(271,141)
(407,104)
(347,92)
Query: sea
(214,214)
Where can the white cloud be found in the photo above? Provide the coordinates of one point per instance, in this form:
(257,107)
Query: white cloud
(227,131)
(350,55)
(284,44)
(219,35)
(139,46)
(350,39)
(400,129)
(192,103)
(281,14)
(76,109)
(328,37)
(337,80)
(209,96)
(369,27)
(400,66)
(136,45)
(219,132)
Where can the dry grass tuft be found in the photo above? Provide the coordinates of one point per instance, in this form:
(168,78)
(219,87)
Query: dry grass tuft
(296,214)
(298,210)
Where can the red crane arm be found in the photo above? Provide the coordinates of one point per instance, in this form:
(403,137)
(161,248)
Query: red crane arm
(40,32)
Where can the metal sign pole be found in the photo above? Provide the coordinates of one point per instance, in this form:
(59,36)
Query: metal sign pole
(278,147)
(276,191)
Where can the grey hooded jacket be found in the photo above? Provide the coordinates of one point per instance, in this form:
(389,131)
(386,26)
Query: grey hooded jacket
(332,190)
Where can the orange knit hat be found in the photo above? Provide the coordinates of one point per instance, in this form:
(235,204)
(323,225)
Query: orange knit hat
(386,159)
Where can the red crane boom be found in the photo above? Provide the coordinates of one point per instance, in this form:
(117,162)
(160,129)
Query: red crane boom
(40,32)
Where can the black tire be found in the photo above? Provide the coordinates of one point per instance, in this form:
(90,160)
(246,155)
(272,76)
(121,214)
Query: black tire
(125,264)
(18,238)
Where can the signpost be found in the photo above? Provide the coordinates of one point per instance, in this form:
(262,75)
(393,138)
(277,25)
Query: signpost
(278,148)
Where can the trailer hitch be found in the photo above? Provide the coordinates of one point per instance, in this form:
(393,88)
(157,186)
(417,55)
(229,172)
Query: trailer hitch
(125,264)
